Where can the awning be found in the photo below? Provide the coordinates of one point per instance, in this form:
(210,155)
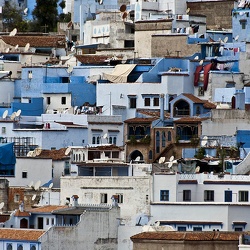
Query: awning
(120,73)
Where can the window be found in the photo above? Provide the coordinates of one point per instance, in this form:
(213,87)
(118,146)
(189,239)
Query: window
(163,139)
(24,174)
(119,198)
(19,246)
(164,195)
(147,101)
(104,198)
(186,195)
(156,101)
(52,221)
(32,247)
(157,142)
(3,130)
(150,155)
(208,195)
(197,228)
(169,136)
(200,91)
(47,221)
(48,100)
(228,196)
(243,23)
(181,229)
(66,168)
(93,140)
(132,102)
(16,198)
(63,101)
(238,229)
(9,246)
(243,196)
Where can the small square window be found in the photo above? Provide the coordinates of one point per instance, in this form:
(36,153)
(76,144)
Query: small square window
(119,198)
(182,229)
(104,198)
(48,100)
(238,229)
(243,196)
(16,198)
(147,101)
(63,100)
(186,195)
(3,130)
(132,102)
(208,195)
(156,101)
(197,228)
(164,195)
(25,174)
(52,221)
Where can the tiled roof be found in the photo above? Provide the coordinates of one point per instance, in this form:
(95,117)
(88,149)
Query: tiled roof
(35,41)
(53,154)
(47,209)
(19,213)
(92,59)
(20,234)
(195,99)
(140,120)
(71,125)
(153,113)
(188,236)
(190,120)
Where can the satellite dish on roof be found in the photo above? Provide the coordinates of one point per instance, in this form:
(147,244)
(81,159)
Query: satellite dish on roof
(7,50)
(31,184)
(25,11)
(1,205)
(171,158)
(196,58)
(100,1)
(13,116)
(162,159)
(16,47)
(201,62)
(225,39)
(37,185)
(73,48)
(70,69)
(236,38)
(13,32)
(188,10)
(5,113)
(50,185)
(124,59)
(197,169)
(33,197)
(170,164)
(18,113)
(26,48)
(105,136)
(30,154)
(137,158)
(38,151)
(204,141)
(67,151)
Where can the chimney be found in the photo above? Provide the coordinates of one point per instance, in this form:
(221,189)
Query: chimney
(162,107)
(75,200)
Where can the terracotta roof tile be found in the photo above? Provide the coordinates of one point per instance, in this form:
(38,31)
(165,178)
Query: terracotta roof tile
(20,234)
(47,209)
(35,41)
(141,120)
(190,120)
(195,99)
(53,154)
(18,213)
(153,113)
(92,59)
(188,236)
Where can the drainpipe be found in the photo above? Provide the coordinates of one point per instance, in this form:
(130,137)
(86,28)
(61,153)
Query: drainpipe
(162,107)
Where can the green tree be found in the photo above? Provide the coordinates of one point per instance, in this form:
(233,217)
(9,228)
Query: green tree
(13,18)
(45,15)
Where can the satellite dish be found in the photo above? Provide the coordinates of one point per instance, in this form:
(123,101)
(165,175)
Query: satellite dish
(70,69)
(30,154)
(38,151)
(67,151)
(1,205)
(37,185)
(225,39)
(204,141)
(73,48)
(100,1)
(188,10)
(16,47)
(26,48)
(50,185)
(123,8)
(18,113)
(236,38)
(171,158)
(105,136)
(7,50)
(25,11)
(137,158)
(5,113)
(13,116)
(33,197)
(196,58)
(201,62)
(197,169)
(124,59)
(170,164)
(161,160)
(13,32)
(31,184)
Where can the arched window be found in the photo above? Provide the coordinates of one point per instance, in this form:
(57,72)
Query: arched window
(150,155)
(9,246)
(163,139)
(110,140)
(79,157)
(93,140)
(76,157)
(114,140)
(20,247)
(157,142)
(83,157)
(97,140)
(169,136)
(32,247)
(198,110)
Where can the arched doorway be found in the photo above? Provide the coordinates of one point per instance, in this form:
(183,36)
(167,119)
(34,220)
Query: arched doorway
(23,223)
(181,108)
(233,102)
(135,155)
